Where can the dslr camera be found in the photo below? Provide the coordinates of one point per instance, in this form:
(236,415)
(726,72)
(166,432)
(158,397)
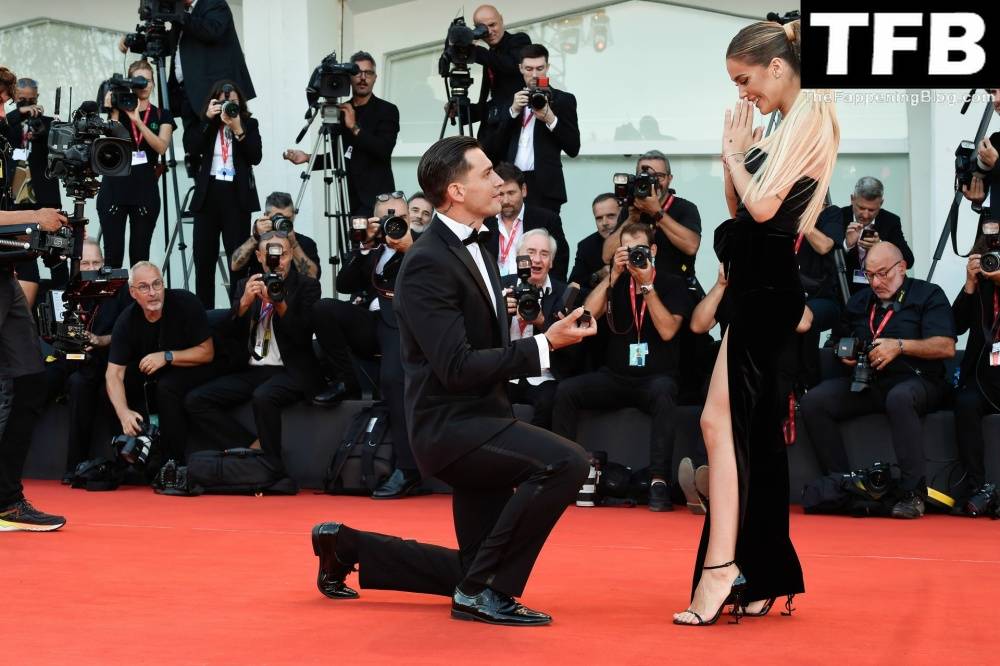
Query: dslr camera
(990,259)
(150,36)
(629,187)
(123,92)
(527,295)
(640,256)
(230,108)
(330,80)
(854,348)
(281,223)
(135,450)
(35,125)
(540,95)
(967,165)
(985,502)
(393,226)
(273,282)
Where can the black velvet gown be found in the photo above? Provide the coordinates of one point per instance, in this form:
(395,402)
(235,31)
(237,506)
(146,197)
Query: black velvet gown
(765,301)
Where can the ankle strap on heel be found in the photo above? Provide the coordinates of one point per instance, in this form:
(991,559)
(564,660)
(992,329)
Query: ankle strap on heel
(721,566)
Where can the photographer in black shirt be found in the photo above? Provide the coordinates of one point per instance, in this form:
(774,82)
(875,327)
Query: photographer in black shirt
(162,338)
(646,308)
(904,330)
(135,198)
(305,255)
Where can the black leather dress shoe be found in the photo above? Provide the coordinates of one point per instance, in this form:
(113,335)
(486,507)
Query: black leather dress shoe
(494,608)
(332,571)
(398,485)
(336,393)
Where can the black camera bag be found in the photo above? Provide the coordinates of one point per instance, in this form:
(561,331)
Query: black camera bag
(365,458)
(98,474)
(237,471)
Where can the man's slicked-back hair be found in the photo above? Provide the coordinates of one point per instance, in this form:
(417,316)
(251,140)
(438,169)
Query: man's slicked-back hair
(443,164)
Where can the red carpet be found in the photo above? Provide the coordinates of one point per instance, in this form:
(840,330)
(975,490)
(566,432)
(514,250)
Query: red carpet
(135,578)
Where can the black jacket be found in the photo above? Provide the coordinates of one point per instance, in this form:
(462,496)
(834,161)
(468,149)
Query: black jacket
(46,189)
(501,80)
(974,313)
(200,141)
(889,228)
(589,259)
(358,279)
(549,144)
(563,361)
(456,350)
(536,218)
(210,51)
(293,332)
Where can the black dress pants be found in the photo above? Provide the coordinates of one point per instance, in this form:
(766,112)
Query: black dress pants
(220,213)
(141,220)
(970,408)
(542,397)
(500,530)
(269,387)
(604,390)
(904,401)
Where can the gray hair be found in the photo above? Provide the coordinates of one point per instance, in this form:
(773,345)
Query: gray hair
(139,266)
(654,155)
(869,188)
(541,233)
(90,242)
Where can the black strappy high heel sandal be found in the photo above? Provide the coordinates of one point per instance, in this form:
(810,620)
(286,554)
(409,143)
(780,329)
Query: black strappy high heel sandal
(735,598)
(789,609)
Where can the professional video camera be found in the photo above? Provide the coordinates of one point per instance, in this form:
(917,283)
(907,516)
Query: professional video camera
(330,80)
(393,226)
(123,92)
(62,319)
(540,95)
(273,282)
(150,36)
(86,147)
(854,348)
(527,295)
(629,187)
(458,48)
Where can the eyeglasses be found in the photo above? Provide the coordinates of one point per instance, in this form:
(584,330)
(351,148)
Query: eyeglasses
(657,174)
(366,74)
(881,275)
(388,196)
(27,83)
(144,288)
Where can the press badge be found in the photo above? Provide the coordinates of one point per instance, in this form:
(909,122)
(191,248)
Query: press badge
(347,153)
(995,355)
(139,157)
(637,354)
(225,174)
(20,155)
(859,276)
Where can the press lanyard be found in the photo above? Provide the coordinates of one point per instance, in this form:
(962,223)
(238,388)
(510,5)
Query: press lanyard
(136,132)
(668,203)
(523,325)
(881,327)
(505,249)
(225,146)
(798,243)
(263,321)
(527,117)
(638,314)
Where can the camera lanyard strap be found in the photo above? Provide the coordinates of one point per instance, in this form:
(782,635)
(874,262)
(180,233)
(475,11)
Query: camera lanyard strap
(668,203)
(263,326)
(638,314)
(224,147)
(881,327)
(136,132)
(505,249)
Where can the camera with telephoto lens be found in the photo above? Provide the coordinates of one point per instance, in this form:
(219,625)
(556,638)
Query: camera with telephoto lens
(392,226)
(640,256)
(984,502)
(273,282)
(150,36)
(35,125)
(331,80)
(629,187)
(540,95)
(87,147)
(123,92)
(135,450)
(527,295)
(62,320)
(990,259)
(967,165)
(853,348)
(281,223)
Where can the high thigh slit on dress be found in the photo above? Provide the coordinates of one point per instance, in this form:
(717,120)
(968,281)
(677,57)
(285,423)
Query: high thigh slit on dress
(765,303)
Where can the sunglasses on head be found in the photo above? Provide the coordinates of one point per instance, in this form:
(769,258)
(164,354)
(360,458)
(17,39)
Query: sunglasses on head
(268,235)
(388,196)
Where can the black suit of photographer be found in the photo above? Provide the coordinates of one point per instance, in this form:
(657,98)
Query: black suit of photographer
(343,327)
(209,50)
(269,387)
(501,79)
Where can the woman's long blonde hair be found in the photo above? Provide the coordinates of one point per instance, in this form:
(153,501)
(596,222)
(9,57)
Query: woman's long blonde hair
(807,140)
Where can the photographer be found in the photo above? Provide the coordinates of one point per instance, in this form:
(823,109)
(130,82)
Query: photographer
(305,254)
(84,380)
(987,158)
(977,310)
(366,326)
(135,198)
(533,137)
(540,391)
(228,146)
(904,330)
(421,212)
(22,374)
(162,339)
(589,266)
(278,367)
(368,129)
(516,219)
(645,310)
(866,223)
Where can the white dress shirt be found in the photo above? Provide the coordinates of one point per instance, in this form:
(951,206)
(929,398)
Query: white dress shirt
(387,254)
(524,159)
(516,334)
(463,231)
(271,355)
(509,267)
(218,166)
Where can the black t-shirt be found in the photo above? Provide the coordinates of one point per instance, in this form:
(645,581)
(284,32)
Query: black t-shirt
(920,311)
(668,257)
(309,248)
(183,325)
(663,355)
(139,187)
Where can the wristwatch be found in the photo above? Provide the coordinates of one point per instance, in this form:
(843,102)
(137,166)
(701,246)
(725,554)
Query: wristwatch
(658,216)
(168,357)
(646,288)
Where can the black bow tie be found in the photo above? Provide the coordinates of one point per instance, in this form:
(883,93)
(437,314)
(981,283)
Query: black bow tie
(482,237)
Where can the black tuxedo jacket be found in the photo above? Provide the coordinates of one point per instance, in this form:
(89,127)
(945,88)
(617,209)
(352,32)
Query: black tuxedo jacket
(501,80)
(589,259)
(210,51)
(293,332)
(563,361)
(456,350)
(536,218)
(46,189)
(549,144)
(200,142)
(889,228)
(358,279)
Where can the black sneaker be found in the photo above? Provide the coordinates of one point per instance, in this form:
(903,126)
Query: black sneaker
(659,497)
(22,516)
(911,506)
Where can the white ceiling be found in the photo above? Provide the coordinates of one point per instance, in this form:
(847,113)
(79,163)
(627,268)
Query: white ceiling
(751,8)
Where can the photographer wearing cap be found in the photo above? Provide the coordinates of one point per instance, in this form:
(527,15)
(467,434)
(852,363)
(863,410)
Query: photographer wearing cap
(135,198)
(539,392)
(516,218)
(366,326)
(977,310)
(987,159)
(368,129)
(271,319)
(865,224)
(162,338)
(646,309)
(278,207)
(540,126)
(903,330)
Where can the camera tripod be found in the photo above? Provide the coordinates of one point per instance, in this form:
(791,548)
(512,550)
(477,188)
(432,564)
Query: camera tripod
(951,222)
(336,204)
(456,86)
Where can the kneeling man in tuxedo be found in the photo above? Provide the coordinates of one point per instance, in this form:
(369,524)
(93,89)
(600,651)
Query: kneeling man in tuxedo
(511,481)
